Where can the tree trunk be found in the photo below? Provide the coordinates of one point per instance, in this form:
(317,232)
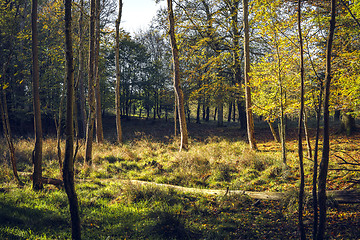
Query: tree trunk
(282,125)
(220,112)
(58,126)
(6,123)
(249,114)
(98,119)
(301,115)
(207,118)
(198,111)
(307,137)
(175,116)
(348,124)
(177,87)
(117,87)
(68,170)
(7,133)
(326,146)
(242,114)
(80,81)
(337,115)
(37,153)
(315,167)
(234,111)
(230,111)
(91,97)
(273,132)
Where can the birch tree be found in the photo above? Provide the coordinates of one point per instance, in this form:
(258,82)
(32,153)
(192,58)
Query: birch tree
(177,87)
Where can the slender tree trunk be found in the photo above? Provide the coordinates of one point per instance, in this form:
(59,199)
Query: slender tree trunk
(301,116)
(242,114)
(98,119)
(117,87)
(198,110)
(37,153)
(315,167)
(177,87)
(91,97)
(6,123)
(234,111)
(220,111)
(326,146)
(234,12)
(175,116)
(282,127)
(307,137)
(207,118)
(249,114)
(230,111)
(7,133)
(273,132)
(58,127)
(68,170)
(80,80)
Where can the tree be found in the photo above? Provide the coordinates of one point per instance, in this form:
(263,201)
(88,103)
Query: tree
(68,169)
(249,114)
(80,78)
(7,130)
(37,153)
(98,119)
(301,117)
(326,146)
(9,27)
(91,77)
(177,87)
(117,87)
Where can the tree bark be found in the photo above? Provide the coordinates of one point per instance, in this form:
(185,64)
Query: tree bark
(7,133)
(37,153)
(307,137)
(220,111)
(68,169)
(177,87)
(80,80)
(326,145)
(249,114)
(282,127)
(301,116)
(242,114)
(91,97)
(117,87)
(315,167)
(98,119)
(273,132)
(230,110)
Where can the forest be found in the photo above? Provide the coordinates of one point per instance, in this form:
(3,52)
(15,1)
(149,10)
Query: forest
(223,119)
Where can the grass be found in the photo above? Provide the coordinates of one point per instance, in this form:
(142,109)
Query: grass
(113,208)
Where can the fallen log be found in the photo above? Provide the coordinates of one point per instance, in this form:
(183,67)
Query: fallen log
(340,196)
(53,181)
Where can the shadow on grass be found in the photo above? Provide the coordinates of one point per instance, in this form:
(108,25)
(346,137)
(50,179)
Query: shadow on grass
(25,222)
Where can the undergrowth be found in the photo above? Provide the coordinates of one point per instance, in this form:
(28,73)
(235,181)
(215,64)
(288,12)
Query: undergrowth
(111,207)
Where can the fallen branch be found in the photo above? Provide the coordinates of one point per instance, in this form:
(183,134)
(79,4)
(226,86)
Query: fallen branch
(341,196)
(53,181)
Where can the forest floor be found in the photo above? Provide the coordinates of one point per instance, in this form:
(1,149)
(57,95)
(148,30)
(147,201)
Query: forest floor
(112,206)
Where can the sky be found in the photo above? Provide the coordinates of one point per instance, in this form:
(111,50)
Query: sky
(137,14)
